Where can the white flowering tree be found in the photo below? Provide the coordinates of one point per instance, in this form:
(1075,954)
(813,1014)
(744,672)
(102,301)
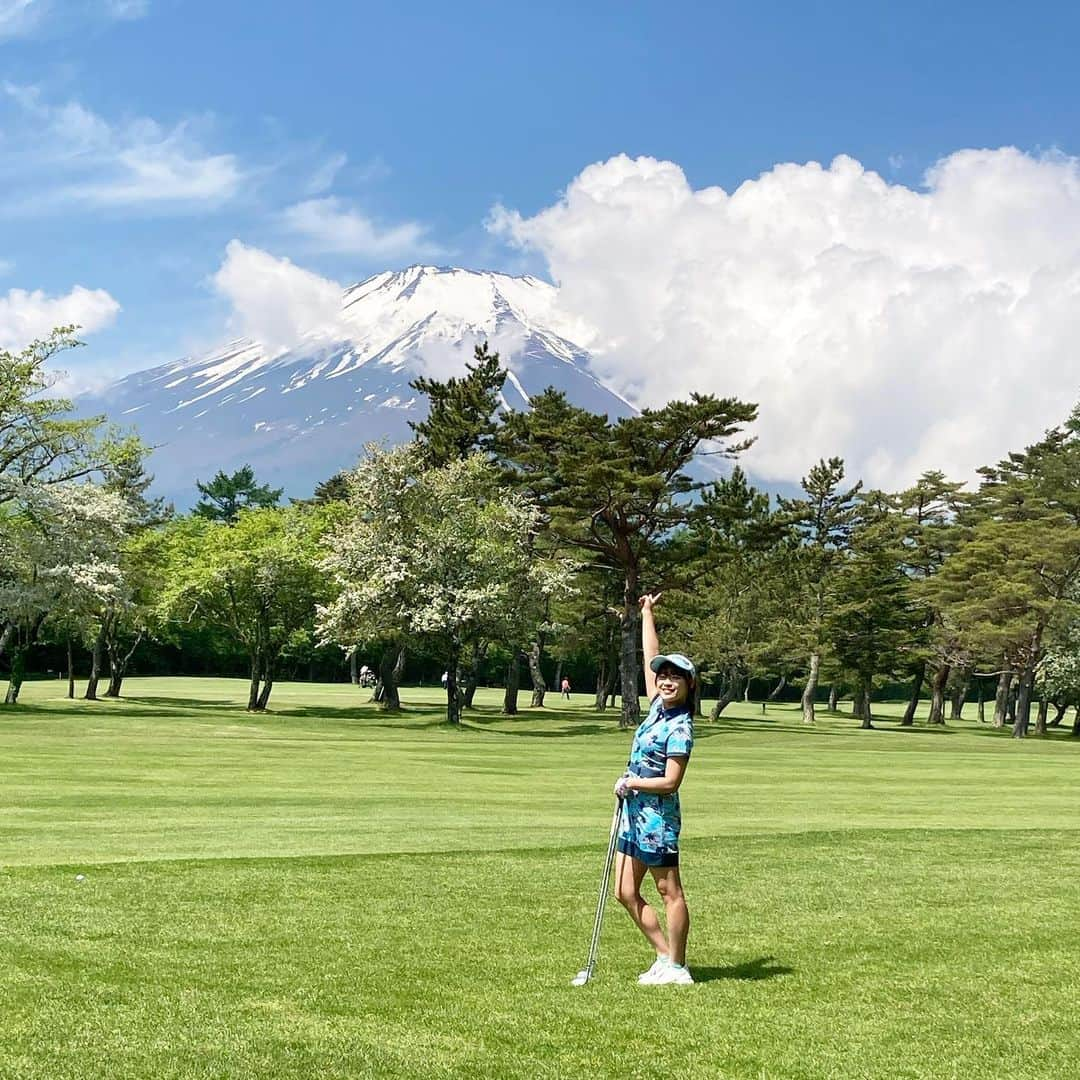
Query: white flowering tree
(60,560)
(444,553)
(42,444)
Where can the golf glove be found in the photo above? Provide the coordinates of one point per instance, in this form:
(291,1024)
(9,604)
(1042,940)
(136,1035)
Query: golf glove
(622,787)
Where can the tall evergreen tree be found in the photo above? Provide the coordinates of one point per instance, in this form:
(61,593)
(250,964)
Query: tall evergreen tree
(612,491)
(461,416)
(1014,581)
(869,624)
(822,519)
(225,496)
(731,603)
(931,508)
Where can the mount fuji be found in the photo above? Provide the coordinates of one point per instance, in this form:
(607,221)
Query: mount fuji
(300,415)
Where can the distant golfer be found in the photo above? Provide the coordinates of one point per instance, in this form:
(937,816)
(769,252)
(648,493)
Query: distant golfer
(566,688)
(649,827)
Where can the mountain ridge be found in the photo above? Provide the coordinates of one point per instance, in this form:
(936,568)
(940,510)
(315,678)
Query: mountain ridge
(299,414)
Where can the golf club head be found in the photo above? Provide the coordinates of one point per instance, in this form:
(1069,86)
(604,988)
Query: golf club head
(581,978)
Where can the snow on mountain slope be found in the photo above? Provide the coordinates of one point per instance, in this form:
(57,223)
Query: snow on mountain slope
(300,416)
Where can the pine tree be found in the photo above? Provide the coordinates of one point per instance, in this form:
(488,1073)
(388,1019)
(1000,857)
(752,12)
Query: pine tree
(612,491)
(224,496)
(823,521)
(931,508)
(461,416)
(869,624)
(731,606)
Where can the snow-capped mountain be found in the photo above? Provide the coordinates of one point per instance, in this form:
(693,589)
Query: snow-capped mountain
(298,416)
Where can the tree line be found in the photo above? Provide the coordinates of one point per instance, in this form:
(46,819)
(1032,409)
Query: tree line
(518,539)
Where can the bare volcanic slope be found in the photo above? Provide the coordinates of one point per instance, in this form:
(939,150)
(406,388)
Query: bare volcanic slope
(299,416)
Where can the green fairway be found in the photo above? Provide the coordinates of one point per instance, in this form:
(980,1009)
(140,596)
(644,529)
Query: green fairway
(325,891)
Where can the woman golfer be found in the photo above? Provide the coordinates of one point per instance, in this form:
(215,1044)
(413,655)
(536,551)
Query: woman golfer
(649,826)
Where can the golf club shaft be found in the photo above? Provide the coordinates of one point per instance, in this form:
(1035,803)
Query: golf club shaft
(605,880)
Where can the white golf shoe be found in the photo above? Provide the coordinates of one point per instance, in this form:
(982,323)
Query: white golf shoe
(673,975)
(648,977)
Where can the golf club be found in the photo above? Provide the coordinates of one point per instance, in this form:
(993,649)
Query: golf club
(586,973)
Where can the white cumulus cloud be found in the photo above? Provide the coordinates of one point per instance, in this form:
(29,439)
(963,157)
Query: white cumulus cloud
(275,302)
(331,226)
(902,329)
(26,315)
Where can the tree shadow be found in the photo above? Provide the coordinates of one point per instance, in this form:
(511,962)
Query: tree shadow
(913,729)
(184,702)
(750,971)
(559,733)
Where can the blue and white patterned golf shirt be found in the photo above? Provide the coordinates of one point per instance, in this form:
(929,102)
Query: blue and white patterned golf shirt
(650,824)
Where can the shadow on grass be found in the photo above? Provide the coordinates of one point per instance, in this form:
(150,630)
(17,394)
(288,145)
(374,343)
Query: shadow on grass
(705,728)
(752,971)
(914,730)
(184,702)
(534,733)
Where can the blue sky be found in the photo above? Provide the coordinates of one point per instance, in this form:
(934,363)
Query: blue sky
(139,137)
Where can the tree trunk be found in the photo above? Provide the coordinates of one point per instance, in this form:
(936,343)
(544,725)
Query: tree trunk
(1076,722)
(268,684)
(118,666)
(913,700)
(1040,719)
(734,688)
(386,689)
(606,675)
(5,637)
(696,706)
(959,695)
(471,677)
(865,714)
(600,701)
(253,685)
(1010,702)
(982,703)
(354,669)
(811,688)
(937,695)
(778,689)
(1022,720)
(97,658)
(18,672)
(1059,714)
(539,687)
(629,629)
(834,698)
(1001,698)
(1026,689)
(513,684)
(453,701)
(70,671)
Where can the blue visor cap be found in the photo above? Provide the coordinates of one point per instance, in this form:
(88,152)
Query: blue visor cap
(676,660)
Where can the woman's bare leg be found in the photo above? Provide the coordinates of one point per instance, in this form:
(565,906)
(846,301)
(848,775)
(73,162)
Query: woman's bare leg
(629,874)
(676,913)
